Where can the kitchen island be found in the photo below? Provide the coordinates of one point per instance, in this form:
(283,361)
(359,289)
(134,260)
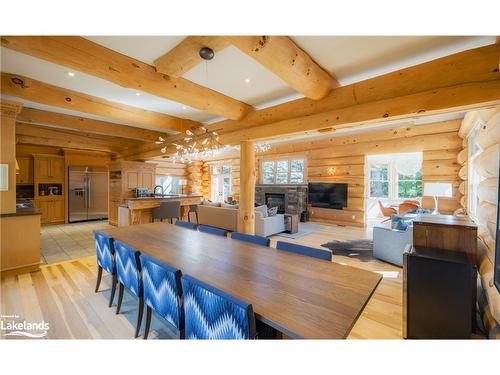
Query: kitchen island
(139,210)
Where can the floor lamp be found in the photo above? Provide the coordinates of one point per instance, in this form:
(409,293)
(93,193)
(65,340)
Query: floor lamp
(438,190)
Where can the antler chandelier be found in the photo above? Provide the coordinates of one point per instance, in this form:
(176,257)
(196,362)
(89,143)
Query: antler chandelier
(194,146)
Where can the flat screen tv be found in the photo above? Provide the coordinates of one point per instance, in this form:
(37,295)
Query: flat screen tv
(328,195)
(496,275)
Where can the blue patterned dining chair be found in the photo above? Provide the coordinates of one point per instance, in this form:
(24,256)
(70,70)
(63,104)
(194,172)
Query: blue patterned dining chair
(211,314)
(162,293)
(128,270)
(213,230)
(258,240)
(186,224)
(304,250)
(105,254)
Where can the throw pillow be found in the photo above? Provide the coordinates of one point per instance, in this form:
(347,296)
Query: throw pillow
(272,211)
(401,225)
(262,209)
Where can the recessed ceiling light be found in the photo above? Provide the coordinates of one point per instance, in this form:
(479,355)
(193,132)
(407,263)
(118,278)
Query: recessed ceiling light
(247,80)
(184,107)
(71,74)
(138,94)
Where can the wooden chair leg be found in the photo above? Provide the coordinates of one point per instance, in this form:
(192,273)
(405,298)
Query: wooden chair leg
(149,313)
(99,277)
(139,317)
(189,216)
(113,290)
(120,298)
(197,223)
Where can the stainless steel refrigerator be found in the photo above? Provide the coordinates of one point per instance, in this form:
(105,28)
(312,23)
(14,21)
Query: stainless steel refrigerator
(88,193)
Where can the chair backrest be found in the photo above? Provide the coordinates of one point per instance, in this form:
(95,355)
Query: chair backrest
(212,230)
(212,314)
(128,267)
(163,290)
(304,250)
(167,210)
(258,240)
(407,206)
(185,224)
(386,211)
(105,252)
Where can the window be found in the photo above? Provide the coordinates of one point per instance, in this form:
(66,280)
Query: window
(220,182)
(379,180)
(170,184)
(474,178)
(395,176)
(283,171)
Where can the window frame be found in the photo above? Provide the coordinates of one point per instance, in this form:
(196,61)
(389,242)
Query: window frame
(289,159)
(393,181)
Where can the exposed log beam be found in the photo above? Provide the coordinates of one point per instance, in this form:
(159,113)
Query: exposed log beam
(450,99)
(447,81)
(40,92)
(83,124)
(89,141)
(285,59)
(186,55)
(91,58)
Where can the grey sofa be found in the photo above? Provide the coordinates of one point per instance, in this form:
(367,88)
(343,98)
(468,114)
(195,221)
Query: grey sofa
(389,244)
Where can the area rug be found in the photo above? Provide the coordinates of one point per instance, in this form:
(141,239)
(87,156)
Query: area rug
(359,249)
(304,230)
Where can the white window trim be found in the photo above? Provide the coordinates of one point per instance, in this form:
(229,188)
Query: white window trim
(278,158)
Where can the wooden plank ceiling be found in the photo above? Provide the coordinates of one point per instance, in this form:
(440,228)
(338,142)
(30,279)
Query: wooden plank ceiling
(461,81)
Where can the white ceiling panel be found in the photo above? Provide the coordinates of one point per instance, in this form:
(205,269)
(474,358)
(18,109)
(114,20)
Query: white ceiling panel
(355,58)
(143,48)
(237,75)
(41,70)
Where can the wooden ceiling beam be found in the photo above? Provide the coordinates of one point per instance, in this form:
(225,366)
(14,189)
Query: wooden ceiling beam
(40,92)
(289,62)
(107,143)
(91,58)
(185,55)
(459,81)
(86,125)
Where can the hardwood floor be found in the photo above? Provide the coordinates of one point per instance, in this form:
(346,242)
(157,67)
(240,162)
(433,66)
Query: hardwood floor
(63,295)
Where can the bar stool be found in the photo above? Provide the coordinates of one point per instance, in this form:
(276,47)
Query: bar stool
(193,208)
(167,210)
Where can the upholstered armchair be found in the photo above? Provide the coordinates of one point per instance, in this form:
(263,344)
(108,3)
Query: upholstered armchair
(389,244)
(268,225)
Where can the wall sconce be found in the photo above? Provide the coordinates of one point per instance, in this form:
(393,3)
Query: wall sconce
(330,171)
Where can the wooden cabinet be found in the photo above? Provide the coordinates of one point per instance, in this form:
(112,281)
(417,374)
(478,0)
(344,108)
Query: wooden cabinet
(25,175)
(125,176)
(49,168)
(51,208)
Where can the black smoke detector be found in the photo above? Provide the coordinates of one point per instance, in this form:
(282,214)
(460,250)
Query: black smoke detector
(207,53)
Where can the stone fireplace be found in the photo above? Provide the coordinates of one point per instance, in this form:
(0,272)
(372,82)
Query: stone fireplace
(290,199)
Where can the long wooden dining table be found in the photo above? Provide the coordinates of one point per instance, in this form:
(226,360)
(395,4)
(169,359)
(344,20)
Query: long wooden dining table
(300,296)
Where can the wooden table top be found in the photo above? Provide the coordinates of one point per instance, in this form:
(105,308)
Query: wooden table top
(450,220)
(300,296)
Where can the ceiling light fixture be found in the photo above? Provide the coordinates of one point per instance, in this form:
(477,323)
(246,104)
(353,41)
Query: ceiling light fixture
(207,53)
(262,147)
(138,94)
(71,74)
(247,80)
(184,107)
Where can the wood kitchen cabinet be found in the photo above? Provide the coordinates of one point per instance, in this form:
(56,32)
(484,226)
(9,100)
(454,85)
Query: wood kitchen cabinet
(51,208)
(25,175)
(49,168)
(124,176)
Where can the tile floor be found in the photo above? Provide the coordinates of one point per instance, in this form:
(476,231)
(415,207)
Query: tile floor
(69,241)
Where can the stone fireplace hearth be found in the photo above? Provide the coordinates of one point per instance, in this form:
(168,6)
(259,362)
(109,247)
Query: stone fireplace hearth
(290,199)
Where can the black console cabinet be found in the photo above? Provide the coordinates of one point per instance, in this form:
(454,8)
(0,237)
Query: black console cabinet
(439,294)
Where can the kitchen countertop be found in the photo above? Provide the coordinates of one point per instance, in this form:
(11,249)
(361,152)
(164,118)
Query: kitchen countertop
(173,196)
(23,212)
